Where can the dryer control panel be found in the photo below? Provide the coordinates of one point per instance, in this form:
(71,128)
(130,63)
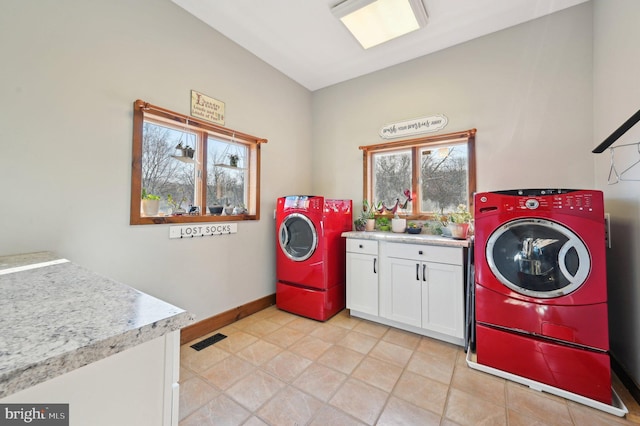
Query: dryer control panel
(303,202)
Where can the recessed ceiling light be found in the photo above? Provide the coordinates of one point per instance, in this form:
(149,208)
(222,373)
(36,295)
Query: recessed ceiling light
(373,22)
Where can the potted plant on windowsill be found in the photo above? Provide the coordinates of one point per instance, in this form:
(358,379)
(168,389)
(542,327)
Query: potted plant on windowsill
(414,228)
(383,223)
(398,224)
(459,222)
(360,223)
(150,203)
(176,206)
(369,215)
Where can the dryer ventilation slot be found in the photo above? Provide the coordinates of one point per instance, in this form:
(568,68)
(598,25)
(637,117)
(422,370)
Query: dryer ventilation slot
(208,341)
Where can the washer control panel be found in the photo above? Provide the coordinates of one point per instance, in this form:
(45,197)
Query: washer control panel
(579,201)
(559,200)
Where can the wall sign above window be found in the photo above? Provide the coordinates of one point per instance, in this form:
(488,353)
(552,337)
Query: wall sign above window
(207,108)
(416,126)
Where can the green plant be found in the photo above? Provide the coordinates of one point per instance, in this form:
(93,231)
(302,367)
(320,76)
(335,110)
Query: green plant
(383,223)
(436,228)
(461,215)
(175,204)
(147,196)
(368,210)
(360,223)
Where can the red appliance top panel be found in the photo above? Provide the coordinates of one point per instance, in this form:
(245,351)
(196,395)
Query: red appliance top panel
(302,202)
(315,207)
(537,202)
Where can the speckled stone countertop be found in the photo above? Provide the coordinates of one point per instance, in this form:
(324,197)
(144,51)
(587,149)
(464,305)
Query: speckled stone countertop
(56,316)
(393,237)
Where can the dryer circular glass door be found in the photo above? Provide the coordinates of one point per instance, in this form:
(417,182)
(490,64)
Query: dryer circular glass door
(297,236)
(538,258)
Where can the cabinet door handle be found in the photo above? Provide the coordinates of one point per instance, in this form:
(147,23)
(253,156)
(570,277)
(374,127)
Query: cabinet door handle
(417,272)
(375,259)
(360,245)
(420,252)
(424,274)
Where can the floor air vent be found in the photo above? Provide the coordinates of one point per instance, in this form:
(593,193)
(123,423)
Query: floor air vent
(208,341)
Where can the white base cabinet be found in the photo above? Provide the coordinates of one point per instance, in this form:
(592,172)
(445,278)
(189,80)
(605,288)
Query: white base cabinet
(416,287)
(400,291)
(443,299)
(362,276)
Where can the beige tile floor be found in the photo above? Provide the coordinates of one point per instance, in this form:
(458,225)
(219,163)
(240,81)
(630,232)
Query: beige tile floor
(275,368)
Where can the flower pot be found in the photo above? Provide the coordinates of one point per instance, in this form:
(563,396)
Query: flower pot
(459,231)
(370,226)
(398,225)
(150,207)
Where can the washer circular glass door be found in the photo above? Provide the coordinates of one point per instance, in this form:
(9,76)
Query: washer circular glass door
(297,236)
(538,258)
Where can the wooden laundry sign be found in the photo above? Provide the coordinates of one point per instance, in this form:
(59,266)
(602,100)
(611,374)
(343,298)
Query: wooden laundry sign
(414,127)
(207,108)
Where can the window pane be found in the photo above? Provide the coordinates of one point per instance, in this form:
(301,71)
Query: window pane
(391,176)
(227,174)
(167,170)
(443,178)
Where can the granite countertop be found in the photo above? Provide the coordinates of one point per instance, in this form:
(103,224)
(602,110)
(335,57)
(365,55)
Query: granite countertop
(427,239)
(56,316)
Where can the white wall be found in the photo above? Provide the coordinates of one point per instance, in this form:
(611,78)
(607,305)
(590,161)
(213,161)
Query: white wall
(70,72)
(616,98)
(526,89)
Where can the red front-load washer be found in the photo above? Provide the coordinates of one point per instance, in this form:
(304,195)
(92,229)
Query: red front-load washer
(310,255)
(541,289)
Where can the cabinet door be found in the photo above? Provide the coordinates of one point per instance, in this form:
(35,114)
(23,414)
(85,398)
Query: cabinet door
(362,283)
(442,298)
(401,299)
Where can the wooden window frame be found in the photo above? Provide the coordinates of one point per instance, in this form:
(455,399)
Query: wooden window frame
(467,136)
(143,110)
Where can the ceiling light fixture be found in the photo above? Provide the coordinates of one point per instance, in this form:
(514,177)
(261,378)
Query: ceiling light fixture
(373,22)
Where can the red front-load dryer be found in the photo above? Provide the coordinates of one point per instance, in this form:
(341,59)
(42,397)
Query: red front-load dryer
(541,289)
(310,255)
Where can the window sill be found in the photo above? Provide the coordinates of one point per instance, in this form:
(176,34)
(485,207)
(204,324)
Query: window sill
(158,220)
